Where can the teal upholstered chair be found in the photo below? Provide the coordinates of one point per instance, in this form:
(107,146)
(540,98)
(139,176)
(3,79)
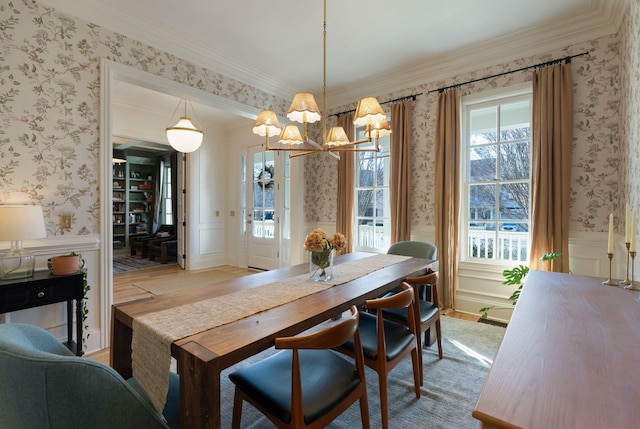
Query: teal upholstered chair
(43,385)
(417,249)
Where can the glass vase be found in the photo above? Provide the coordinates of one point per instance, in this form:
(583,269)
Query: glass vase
(321,265)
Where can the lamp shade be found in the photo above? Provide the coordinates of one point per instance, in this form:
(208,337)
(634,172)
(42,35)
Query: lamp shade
(304,109)
(21,222)
(184,136)
(119,156)
(266,124)
(291,135)
(379,129)
(337,137)
(368,112)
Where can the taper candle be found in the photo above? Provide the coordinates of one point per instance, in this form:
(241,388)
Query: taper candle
(627,229)
(633,233)
(610,246)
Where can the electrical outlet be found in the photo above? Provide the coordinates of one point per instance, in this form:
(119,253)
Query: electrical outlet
(217,213)
(232,213)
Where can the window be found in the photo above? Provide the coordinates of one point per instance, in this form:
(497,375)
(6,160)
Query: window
(372,207)
(167,198)
(497,165)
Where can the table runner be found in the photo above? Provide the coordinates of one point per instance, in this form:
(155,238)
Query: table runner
(153,333)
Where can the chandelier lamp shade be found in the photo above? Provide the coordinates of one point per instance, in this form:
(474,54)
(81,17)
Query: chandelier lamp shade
(17,223)
(304,110)
(184,136)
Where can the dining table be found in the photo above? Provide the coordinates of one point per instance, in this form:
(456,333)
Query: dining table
(201,357)
(568,358)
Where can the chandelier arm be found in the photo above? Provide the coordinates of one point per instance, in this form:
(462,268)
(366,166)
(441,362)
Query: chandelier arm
(297,149)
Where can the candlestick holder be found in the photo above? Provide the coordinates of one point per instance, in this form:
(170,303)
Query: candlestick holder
(626,281)
(632,284)
(609,281)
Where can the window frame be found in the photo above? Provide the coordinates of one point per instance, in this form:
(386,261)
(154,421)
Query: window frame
(385,189)
(468,103)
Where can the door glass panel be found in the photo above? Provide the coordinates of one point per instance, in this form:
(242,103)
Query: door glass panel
(263,195)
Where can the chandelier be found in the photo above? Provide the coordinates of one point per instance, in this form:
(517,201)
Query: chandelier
(304,110)
(184,136)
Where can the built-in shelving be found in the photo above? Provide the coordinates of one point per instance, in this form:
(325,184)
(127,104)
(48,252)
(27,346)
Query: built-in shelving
(134,196)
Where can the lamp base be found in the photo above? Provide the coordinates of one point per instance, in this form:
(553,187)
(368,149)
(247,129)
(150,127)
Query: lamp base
(17,263)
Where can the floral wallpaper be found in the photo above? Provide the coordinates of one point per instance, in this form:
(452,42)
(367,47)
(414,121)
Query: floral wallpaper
(49,106)
(49,113)
(630,103)
(597,182)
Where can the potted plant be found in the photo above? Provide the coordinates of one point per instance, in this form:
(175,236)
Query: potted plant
(70,264)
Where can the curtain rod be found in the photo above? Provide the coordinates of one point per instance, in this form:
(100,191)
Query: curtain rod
(547,63)
(412,97)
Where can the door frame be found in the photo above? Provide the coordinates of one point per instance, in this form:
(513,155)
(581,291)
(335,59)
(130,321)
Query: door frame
(109,73)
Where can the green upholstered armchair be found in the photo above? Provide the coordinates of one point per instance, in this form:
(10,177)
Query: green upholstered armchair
(43,385)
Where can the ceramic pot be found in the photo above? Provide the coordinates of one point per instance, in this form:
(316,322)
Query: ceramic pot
(66,264)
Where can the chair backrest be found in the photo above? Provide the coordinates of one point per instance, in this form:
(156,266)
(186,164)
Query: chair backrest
(417,249)
(45,385)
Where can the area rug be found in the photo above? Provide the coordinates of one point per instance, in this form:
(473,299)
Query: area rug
(125,263)
(450,391)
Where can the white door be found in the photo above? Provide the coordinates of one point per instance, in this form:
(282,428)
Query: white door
(262,218)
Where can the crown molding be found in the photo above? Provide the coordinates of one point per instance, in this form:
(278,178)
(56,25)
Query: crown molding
(602,21)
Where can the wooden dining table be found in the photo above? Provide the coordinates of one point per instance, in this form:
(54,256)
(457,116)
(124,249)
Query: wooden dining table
(202,357)
(569,358)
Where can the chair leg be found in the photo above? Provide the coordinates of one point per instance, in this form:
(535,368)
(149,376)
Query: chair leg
(384,407)
(237,409)
(439,337)
(364,412)
(417,371)
(420,358)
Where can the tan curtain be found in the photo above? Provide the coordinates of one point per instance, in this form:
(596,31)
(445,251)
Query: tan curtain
(346,186)
(447,191)
(552,140)
(400,179)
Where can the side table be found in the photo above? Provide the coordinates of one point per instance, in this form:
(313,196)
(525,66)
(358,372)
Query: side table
(44,288)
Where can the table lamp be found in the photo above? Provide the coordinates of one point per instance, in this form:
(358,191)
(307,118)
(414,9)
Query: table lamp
(17,223)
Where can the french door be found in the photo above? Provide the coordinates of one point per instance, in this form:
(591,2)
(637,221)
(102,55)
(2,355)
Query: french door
(262,214)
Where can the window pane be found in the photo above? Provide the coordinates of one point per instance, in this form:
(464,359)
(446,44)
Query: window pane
(514,121)
(482,163)
(379,203)
(514,200)
(366,170)
(515,161)
(482,202)
(483,126)
(365,203)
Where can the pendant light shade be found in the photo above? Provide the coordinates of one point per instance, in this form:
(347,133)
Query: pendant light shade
(291,135)
(119,156)
(184,136)
(266,124)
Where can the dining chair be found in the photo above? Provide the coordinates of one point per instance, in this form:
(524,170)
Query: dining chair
(426,313)
(44,385)
(385,343)
(307,385)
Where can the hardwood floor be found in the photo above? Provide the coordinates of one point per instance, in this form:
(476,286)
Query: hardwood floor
(125,289)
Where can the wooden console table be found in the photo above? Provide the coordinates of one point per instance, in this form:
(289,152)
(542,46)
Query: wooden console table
(43,289)
(570,358)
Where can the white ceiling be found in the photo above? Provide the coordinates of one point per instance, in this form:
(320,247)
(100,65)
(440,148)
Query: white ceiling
(373,46)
